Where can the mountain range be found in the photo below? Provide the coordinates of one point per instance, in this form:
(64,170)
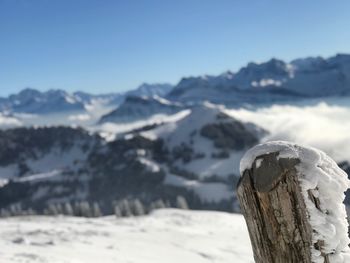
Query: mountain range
(194,154)
(274,80)
(271,80)
(140,107)
(196,157)
(36,102)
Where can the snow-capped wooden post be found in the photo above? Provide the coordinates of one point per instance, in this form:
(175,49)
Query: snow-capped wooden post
(292,200)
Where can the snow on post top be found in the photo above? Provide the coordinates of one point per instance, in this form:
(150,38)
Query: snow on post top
(285,150)
(319,175)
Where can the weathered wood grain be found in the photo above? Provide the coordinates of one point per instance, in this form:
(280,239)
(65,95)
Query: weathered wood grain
(273,206)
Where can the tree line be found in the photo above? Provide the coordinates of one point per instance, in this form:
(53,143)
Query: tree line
(121,208)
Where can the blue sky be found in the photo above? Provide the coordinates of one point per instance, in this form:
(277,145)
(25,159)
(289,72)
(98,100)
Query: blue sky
(114,45)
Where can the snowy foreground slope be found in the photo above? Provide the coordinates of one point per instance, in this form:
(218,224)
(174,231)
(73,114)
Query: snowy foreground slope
(167,235)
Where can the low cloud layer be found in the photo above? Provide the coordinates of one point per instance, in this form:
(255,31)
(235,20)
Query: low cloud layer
(323,125)
(9,122)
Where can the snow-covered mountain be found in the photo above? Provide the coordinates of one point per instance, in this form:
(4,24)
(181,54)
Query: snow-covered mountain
(274,80)
(29,151)
(150,90)
(34,101)
(56,101)
(271,81)
(151,147)
(195,157)
(88,98)
(205,136)
(145,89)
(141,107)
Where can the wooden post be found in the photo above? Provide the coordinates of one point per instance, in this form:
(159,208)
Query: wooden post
(275,212)
(273,202)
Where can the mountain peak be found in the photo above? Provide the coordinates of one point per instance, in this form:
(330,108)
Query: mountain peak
(29,92)
(146,89)
(140,107)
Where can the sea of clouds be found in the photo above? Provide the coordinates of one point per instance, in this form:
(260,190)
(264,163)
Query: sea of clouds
(324,125)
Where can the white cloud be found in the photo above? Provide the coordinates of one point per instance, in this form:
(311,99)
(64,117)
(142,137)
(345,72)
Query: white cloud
(79,117)
(8,122)
(324,126)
